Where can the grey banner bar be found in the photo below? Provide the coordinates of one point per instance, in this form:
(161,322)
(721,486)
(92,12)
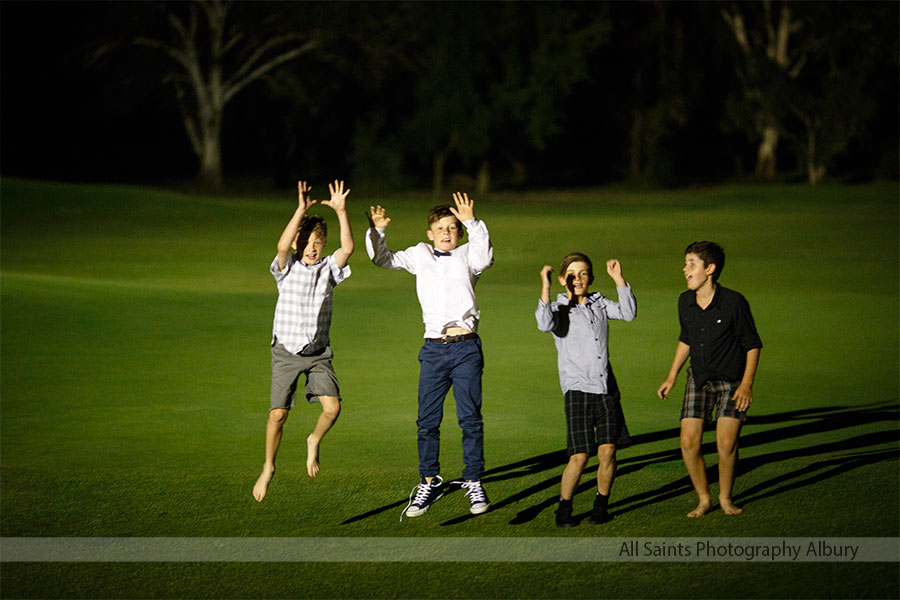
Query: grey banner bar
(456,549)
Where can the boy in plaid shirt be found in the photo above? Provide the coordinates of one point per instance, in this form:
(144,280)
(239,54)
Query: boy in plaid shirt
(300,340)
(579,323)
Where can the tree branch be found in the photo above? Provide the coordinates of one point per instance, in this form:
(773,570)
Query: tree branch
(233,87)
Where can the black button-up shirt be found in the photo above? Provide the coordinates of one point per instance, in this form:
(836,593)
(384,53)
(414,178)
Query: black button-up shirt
(719,336)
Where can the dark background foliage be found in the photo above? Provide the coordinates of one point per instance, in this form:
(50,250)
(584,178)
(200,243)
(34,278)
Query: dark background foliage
(433,94)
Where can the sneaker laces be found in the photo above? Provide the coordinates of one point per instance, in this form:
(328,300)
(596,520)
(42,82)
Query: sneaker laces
(421,492)
(475,492)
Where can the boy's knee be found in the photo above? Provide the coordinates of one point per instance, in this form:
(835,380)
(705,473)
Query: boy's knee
(471,425)
(727,445)
(606,454)
(690,443)
(578,460)
(331,408)
(277,416)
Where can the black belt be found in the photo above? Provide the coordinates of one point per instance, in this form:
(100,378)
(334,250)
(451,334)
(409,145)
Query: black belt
(452,338)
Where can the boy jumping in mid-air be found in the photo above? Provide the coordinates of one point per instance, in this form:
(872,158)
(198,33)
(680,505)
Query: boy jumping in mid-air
(446,274)
(579,323)
(300,339)
(719,335)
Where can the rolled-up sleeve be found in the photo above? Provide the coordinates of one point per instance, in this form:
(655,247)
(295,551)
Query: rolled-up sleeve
(544,316)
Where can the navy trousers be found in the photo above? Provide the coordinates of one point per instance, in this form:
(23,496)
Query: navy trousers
(459,364)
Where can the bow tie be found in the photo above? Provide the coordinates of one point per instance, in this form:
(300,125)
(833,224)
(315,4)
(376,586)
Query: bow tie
(439,253)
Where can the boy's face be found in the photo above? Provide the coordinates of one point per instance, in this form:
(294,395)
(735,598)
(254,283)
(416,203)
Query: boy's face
(312,252)
(576,279)
(696,273)
(444,234)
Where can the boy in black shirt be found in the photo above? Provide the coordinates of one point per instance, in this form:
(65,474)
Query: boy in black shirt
(719,335)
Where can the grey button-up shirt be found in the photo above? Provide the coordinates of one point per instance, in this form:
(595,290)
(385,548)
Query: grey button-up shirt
(581,333)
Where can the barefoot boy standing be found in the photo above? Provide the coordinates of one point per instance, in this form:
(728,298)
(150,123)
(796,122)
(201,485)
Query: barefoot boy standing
(446,274)
(300,339)
(719,335)
(595,423)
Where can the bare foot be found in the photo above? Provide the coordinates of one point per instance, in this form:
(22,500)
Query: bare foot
(262,484)
(702,508)
(729,508)
(312,456)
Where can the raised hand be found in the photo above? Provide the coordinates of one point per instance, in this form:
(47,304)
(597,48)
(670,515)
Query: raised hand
(338,196)
(545,283)
(614,269)
(545,276)
(377,218)
(465,208)
(303,201)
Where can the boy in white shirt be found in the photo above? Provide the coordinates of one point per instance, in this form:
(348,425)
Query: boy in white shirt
(446,274)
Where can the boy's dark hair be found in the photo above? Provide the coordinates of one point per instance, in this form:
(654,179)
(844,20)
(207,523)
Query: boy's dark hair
(711,254)
(439,212)
(577,257)
(308,225)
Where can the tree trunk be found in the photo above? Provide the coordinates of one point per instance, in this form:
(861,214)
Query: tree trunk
(814,171)
(437,175)
(765,156)
(484,179)
(637,135)
(210,172)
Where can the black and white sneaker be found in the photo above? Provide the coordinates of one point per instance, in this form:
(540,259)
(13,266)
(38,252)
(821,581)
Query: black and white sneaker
(425,495)
(478,500)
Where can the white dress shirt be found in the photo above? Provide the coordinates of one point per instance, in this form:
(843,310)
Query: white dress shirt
(445,284)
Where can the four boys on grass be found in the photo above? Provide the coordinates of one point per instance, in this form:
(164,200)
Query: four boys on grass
(717,333)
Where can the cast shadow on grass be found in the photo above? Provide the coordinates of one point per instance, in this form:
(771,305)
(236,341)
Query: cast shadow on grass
(796,424)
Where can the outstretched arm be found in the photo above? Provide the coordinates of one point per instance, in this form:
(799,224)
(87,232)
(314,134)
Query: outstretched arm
(481,255)
(339,203)
(682,352)
(289,235)
(376,246)
(545,283)
(626,308)
(546,318)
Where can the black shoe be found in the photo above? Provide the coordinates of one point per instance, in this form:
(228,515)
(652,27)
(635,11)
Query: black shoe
(564,514)
(425,495)
(599,515)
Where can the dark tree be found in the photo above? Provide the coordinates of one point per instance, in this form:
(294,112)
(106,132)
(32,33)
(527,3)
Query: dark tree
(213,54)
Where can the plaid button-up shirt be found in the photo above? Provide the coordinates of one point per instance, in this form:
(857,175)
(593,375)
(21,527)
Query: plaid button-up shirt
(303,310)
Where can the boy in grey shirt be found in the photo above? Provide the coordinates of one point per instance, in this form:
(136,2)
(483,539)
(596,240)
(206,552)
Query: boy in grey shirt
(578,321)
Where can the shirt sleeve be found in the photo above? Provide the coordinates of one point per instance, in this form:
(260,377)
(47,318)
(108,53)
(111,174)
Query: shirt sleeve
(545,317)
(626,308)
(481,254)
(376,247)
(745,327)
(338,274)
(277,273)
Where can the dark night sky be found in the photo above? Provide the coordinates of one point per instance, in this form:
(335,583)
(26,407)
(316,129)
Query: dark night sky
(61,120)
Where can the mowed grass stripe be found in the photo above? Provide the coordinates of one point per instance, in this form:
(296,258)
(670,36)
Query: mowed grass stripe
(135,370)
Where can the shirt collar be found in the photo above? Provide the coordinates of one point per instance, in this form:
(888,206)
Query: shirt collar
(564,299)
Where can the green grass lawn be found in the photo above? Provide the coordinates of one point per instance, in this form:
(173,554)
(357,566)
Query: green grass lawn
(135,375)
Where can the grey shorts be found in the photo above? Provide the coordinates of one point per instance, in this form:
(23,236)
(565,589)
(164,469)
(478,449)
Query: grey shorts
(286,371)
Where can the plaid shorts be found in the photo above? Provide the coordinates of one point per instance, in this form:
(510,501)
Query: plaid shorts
(593,420)
(716,397)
